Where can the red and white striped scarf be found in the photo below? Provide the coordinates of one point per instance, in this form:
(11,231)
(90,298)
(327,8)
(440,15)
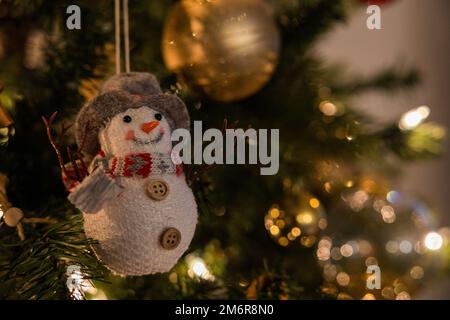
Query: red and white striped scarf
(138,165)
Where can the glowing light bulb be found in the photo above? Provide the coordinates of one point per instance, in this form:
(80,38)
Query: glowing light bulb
(77,284)
(305,218)
(433,241)
(405,247)
(198,268)
(413,118)
(328,108)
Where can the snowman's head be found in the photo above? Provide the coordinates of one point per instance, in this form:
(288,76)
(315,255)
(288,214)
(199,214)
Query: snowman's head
(130,115)
(136,130)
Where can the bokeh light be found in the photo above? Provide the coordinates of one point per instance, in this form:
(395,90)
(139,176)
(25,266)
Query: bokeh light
(433,241)
(413,118)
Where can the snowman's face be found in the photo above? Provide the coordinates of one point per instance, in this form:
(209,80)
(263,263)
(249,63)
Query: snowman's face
(141,130)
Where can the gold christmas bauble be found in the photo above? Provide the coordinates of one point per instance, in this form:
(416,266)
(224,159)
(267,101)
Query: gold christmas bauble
(225,49)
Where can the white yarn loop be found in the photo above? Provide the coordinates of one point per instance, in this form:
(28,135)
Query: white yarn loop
(126,29)
(126,35)
(117,30)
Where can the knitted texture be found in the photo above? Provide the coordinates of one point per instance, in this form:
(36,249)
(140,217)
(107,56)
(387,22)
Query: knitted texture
(119,94)
(129,228)
(141,165)
(139,83)
(132,122)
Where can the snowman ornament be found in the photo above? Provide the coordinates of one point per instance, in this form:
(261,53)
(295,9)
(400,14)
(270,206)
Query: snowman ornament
(135,201)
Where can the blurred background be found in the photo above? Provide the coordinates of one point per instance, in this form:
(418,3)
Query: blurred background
(364,167)
(413,32)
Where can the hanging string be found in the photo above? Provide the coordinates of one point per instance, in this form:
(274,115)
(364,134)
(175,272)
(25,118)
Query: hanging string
(117,30)
(126,35)
(126,32)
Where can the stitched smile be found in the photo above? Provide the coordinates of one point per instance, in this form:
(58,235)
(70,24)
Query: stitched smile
(149,141)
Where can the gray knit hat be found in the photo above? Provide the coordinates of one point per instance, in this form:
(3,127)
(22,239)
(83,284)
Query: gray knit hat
(120,93)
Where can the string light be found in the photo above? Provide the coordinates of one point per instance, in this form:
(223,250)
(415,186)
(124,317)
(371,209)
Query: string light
(299,218)
(433,241)
(393,196)
(305,218)
(274,230)
(296,232)
(413,118)
(198,268)
(416,272)
(357,200)
(403,296)
(77,284)
(392,246)
(314,203)
(343,279)
(328,108)
(405,247)
(388,214)
(368,296)
(346,250)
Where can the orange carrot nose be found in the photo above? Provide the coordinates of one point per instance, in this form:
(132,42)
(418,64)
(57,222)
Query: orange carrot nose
(149,126)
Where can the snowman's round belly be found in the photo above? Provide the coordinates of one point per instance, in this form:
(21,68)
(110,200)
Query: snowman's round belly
(131,228)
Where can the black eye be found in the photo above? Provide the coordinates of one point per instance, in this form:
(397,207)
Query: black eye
(127,119)
(158,116)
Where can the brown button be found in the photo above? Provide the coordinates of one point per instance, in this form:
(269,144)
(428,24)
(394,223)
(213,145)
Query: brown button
(157,189)
(170,239)
(13,216)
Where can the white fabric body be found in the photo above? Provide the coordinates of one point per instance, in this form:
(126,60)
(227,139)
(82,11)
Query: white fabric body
(130,226)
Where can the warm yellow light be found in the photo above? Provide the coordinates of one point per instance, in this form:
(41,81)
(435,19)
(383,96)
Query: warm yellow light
(280,223)
(349,183)
(314,203)
(388,214)
(173,277)
(274,213)
(283,241)
(346,250)
(328,108)
(343,279)
(308,241)
(403,296)
(433,241)
(368,296)
(296,231)
(274,230)
(305,218)
(325,242)
(323,253)
(268,223)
